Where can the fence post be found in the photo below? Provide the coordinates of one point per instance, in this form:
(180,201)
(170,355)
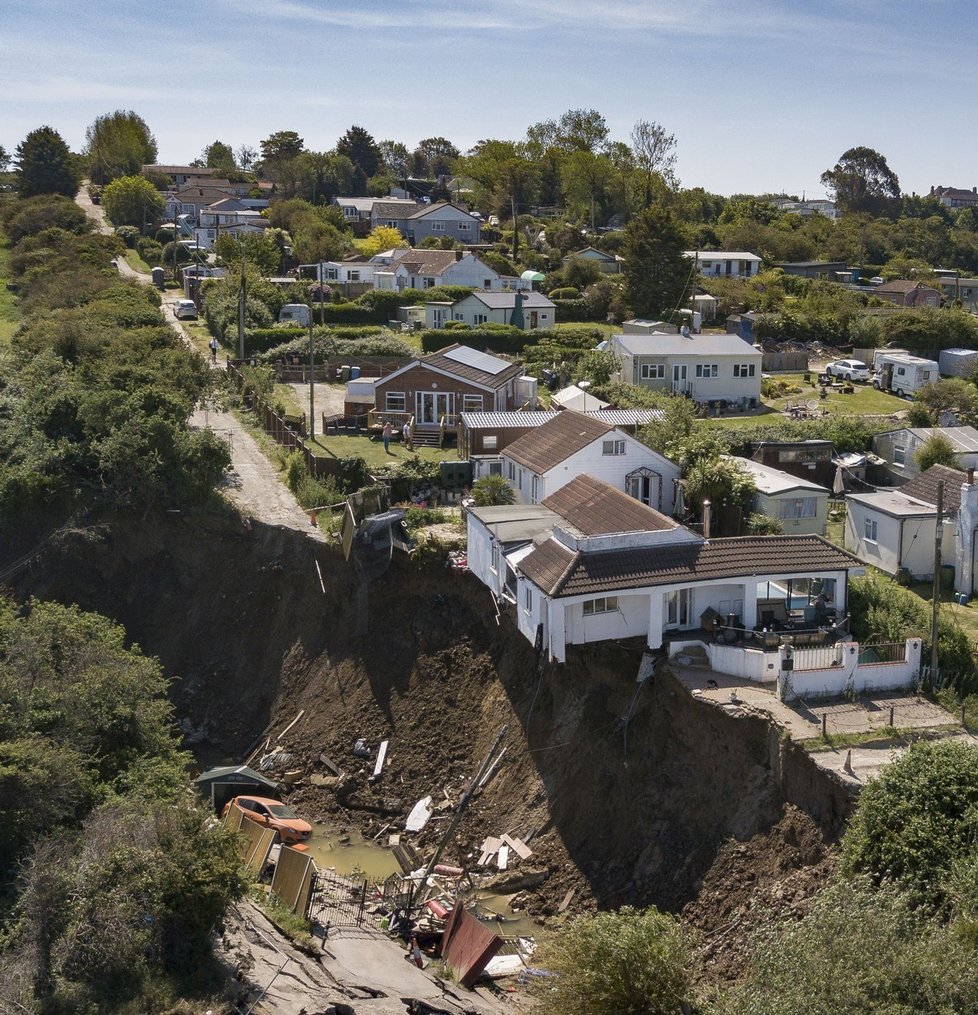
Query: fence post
(825,717)
(891,716)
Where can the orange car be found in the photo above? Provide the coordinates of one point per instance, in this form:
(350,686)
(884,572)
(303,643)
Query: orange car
(273,814)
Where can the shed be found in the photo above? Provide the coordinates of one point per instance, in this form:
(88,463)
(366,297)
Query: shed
(234,780)
(957,362)
(295,313)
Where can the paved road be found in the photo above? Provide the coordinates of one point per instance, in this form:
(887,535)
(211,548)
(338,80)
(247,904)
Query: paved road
(253,484)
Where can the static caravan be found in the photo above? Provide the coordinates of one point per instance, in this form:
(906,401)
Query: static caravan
(904,374)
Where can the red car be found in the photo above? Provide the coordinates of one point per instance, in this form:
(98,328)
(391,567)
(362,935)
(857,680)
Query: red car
(273,814)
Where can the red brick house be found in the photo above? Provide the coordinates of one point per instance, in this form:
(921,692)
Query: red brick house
(453,380)
(905,293)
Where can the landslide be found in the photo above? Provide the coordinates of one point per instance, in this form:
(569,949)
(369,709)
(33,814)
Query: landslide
(683,805)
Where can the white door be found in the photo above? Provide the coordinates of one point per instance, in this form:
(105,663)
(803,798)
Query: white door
(677,609)
(679,377)
(644,489)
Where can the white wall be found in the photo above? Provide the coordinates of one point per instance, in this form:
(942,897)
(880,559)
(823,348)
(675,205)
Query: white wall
(771,504)
(833,681)
(630,620)
(884,551)
(479,548)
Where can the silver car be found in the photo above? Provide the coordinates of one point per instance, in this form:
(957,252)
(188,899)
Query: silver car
(848,370)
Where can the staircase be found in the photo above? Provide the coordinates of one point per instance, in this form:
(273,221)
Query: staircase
(426,438)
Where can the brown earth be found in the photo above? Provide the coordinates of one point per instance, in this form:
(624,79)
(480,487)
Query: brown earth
(687,807)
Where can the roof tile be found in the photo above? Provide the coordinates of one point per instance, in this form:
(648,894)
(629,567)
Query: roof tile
(559,438)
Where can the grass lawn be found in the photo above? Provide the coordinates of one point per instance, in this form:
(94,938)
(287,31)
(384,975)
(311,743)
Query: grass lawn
(372,451)
(864,401)
(136,262)
(966,617)
(199,335)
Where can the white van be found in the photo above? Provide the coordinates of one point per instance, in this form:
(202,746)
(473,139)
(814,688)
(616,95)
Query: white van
(185,310)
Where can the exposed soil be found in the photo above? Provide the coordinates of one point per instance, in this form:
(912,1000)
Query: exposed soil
(686,807)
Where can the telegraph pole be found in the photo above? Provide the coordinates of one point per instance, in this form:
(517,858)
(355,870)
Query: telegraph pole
(312,382)
(936,594)
(241,308)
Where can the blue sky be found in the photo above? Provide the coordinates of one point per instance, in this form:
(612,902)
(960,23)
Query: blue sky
(761,95)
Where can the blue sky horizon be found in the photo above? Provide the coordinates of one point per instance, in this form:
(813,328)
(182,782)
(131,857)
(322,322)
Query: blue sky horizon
(761,98)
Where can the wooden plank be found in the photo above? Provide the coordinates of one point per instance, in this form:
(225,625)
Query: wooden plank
(518,847)
(381,758)
(302,712)
(330,765)
(502,858)
(566,900)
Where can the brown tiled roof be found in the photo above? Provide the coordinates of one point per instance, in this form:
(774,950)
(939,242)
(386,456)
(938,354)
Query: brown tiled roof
(471,373)
(924,487)
(597,509)
(901,285)
(556,440)
(562,572)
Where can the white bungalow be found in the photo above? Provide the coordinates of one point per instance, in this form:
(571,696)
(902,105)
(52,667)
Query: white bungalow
(799,504)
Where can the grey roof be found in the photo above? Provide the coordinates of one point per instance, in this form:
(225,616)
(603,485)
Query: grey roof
(439,206)
(963,438)
(894,503)
(722,255)
(241,771)
(769,480)
(515,523)
(494,378)
(696,345)
(504,420)
(507,301)
(427,262)
(924,487)
(394,209)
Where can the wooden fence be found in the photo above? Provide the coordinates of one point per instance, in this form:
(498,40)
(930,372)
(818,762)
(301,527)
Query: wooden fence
(773,362)
(297,372)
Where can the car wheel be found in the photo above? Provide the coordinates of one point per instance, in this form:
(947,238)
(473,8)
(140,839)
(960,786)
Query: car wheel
(849,378)
(900,393)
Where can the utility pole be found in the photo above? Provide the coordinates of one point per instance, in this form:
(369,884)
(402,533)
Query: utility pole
(936,594)
(241,308)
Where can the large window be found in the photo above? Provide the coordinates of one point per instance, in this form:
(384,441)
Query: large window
(707,369)
(490,442)
(743,369)
(653,371)
(471,403)
(612,447)
(606,604)
(437,227)
(899,454)
(395,401)
(677,607)
(799,507)
(479,318)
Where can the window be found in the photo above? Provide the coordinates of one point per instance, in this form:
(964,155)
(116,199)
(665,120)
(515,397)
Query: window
(528,599)
(519,480)
(677,607)
(743,369)
(490,442)
(607,604)
(353,276)
(535,490)
(479,319)
(612,447)
(926,375)
(459,316)
(900,371)
(437,227)
(899,455)
(871,529)
(429,283)
(471,403)
(395,401)
(543,317)
(332,274)
(486,283)
(707,369)
(653,371)
(511,471)
(464,227)
(799,507)
(494,559)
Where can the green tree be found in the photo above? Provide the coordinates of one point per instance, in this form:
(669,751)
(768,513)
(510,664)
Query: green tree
(434,157)
(132,201)
(4,159)
(862,181)
(655,154)
(118,144)
(361,149)
(394,157)
(916,821)
(45,165)
(657,275)
(719,480)
(629,962)
(492,490)
(936,450)
(947,394)
(218,155)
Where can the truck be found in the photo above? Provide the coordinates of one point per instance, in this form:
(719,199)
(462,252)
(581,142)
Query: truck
(903,374)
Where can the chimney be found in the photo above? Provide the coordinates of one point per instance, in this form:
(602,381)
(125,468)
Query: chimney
(931,191)
(707,508)
(459,254)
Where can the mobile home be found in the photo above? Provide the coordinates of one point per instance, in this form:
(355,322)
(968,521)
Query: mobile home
(904,374)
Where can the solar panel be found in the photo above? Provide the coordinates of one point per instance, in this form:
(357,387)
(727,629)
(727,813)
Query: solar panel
(479,360)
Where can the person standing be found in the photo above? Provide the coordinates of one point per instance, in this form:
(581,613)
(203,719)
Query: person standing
(213,345)
(387,433)
(406,435)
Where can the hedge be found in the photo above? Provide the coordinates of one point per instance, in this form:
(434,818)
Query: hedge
(511,342)
(346,313)
(575,310)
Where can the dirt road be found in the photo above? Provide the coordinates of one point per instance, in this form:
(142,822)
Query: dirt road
(253,484)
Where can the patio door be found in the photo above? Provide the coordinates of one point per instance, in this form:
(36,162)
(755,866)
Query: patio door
(432,405)
(677,607)
(679,376)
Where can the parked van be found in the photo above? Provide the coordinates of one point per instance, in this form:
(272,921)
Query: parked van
(185,310)
(904,374)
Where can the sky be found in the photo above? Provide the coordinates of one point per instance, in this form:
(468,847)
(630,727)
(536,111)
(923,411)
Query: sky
(761,95)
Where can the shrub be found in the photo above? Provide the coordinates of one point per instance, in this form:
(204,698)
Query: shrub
(502,338)
(149,250)
(575,310)
(457,326)
(759,524)
(492,490)
(128,234)
(565,293)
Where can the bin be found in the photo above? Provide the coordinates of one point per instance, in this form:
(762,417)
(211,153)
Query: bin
(344,373)
(354,373)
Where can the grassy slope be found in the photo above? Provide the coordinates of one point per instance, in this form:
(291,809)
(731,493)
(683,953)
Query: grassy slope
(9,313)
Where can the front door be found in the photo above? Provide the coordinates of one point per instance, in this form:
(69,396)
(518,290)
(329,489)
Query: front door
(679,377)
(677,608)
(432,405)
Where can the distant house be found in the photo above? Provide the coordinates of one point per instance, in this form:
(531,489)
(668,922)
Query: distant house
(424,269)
(571,443)
(742,325)
(181,175)
(955,197)
(606,263)
(453,380)
(443,219)
(366,213)
(813,269)
(219,217)
(895,529)
(573,397)
(809,459)
(963,289)
(800,505)
(535,310)
(899,447)
(705,367)
(905,293)
(726,263)
(191,201)
(806,208)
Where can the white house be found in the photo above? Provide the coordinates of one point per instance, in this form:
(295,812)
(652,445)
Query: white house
(894,528)
(498,537)
(355,271)
(535,310)
(571,444)
(705,367)
(425,269)
(221,216)
(799,504)
(728,263)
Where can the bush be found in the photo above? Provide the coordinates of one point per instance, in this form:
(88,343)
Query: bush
(759,524)
(149,250)
(502,338)
(457,326)
(565,293)
(128,234)
(575,310)
(492,490)
(344,313)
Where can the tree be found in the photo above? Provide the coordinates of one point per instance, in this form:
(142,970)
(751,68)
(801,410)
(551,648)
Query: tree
(382,238)
(862,181)
(654,151)
(45,165)
(132,201)
(630,962)
(583,177)
(246,156)
(118,144)
(492,490)
(4,159)
(936,450)
(218,155)
(361,149)
(657,274)
(282,146)
(946,394)
(719,480)
(394,157)
(434,157)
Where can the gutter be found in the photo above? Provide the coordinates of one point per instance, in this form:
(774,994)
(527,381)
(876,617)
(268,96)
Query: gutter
(900,554)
